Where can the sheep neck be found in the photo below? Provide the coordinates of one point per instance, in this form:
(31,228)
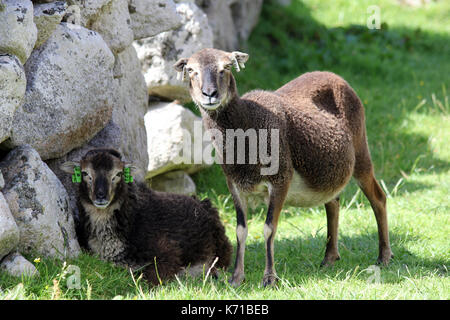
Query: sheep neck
(225,117)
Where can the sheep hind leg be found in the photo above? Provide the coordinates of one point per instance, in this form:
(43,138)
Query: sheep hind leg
(332,253)
(366,180)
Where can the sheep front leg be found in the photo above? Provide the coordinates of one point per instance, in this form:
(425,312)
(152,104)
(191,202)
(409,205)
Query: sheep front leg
(240,205)
(277,195)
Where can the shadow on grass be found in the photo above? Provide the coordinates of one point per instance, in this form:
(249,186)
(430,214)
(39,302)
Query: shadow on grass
(297,263)
(298,259)
(391,69)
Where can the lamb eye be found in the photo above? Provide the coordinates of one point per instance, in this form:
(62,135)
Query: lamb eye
(86,175)
(191,72)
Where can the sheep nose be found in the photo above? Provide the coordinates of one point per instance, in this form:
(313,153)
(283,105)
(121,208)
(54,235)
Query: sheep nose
(210,93)
(101,194)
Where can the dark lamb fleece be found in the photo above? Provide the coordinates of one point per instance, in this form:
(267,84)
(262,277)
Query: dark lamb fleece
(163,234)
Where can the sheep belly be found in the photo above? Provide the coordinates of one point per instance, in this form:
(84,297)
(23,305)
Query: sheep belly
(300,195)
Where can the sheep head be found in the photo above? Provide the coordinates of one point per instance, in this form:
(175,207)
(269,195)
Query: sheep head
(103,175)
(211,82)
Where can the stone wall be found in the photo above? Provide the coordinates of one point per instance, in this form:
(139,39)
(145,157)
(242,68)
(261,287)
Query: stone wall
(77,74)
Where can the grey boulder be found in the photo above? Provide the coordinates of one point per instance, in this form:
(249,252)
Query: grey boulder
(69,92)
(12,91)
(18,33)
(174,182)
(171,139)
(46,17)
(39,204)
(9,232)
(113,23)
(148,18)
(158,54)
(16,265)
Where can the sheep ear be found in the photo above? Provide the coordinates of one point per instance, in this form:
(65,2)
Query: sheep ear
(239,59)
(69,166)
(180,66)
(129,165)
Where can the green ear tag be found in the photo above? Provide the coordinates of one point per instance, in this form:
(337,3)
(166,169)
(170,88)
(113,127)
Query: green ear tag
(128,177)
(76,177)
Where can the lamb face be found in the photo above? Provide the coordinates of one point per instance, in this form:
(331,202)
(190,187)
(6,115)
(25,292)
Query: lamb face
(211,83)
(102,174)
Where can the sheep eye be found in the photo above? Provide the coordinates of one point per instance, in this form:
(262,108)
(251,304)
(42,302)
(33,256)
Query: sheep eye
(85,174)
(191,72)
(117,176)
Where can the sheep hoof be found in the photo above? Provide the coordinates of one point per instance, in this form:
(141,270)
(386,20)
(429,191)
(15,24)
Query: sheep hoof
(385,257)
(270,280)
(236,280)
(329,260)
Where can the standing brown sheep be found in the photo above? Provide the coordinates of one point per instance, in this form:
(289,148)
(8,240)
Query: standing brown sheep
(322,143)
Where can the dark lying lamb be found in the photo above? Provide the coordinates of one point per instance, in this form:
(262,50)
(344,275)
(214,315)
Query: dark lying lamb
(131,225)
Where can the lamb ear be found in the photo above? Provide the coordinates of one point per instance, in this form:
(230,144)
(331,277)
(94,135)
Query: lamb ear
(69,166)
(180,66)
(239,59)
(131,166)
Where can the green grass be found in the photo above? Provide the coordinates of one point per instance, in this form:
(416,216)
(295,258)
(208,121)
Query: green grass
(401,73)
